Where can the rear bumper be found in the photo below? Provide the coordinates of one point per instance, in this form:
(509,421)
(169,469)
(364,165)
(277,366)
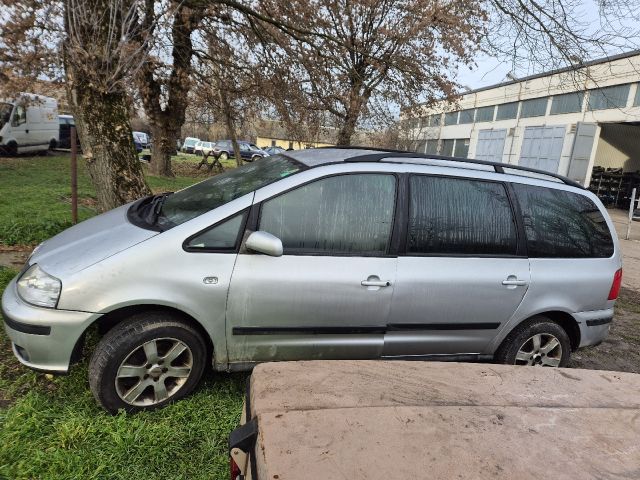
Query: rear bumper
(42,338)
(594,326)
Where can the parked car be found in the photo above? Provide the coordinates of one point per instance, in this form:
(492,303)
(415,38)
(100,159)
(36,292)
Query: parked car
(203,147)
(142,138)
(28,124)
(328,420)
(332,253)
(189,144)
(274,150)
(249,152)
(64,134)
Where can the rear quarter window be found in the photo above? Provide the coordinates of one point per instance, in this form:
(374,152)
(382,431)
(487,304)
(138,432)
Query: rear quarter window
(561,224)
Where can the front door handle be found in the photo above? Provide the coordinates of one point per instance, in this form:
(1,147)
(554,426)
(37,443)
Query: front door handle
(512,281)
(375,283)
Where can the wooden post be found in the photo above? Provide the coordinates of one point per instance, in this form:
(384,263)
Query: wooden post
(74,176)
(632,205)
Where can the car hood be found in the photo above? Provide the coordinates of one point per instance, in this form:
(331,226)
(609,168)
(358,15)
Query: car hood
(89,242)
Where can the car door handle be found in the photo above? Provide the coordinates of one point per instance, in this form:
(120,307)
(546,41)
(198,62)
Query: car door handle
(375,283)
(514,283)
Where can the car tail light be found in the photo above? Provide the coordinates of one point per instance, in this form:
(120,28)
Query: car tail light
(615,286)
(234,469)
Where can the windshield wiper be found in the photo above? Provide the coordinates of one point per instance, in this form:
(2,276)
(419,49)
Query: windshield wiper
(154,208)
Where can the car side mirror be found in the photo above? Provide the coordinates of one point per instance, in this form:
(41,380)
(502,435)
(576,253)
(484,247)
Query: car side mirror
(264,242)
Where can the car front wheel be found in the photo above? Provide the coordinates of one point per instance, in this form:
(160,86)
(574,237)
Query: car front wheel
(539,342)
(145,362)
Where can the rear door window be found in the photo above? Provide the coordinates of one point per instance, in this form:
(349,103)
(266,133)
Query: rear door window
(451,216)
(561,224)
(346,214)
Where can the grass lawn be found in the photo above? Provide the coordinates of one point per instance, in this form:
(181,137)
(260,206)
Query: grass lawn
(35,194)
(51,427)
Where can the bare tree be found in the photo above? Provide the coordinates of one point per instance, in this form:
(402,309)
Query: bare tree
(363,53)
(355,58)
(99,56)
(164,85)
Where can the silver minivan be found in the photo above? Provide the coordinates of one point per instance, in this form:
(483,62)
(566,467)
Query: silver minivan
(333,253)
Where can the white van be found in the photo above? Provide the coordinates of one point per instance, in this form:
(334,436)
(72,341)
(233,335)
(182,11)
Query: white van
(142,138)
(28,124)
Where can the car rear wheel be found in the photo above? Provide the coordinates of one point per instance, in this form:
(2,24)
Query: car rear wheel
(145,362)
(539,342)
(223,156)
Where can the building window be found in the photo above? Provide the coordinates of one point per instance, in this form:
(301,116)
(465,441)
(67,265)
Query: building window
(451,118)
(418,146)
(507,111)
(447,147)
(435,120)
(432,147)
(466,116)
(636,101)
(536,107)
(609,97)
(461,148)
(485,114)
(567,103)
(273,143)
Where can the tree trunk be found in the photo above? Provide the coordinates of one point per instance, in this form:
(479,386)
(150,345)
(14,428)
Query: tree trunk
(227,112)
(353,111)
(164,145)
(102,120)
(347,130)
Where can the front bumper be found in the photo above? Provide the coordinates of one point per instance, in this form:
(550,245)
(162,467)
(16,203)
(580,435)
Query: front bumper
(42,338)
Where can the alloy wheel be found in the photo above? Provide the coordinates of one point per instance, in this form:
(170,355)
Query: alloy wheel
(154,372)
(540,350)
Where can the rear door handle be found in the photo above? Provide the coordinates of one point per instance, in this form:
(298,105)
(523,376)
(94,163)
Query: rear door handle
(375,283)
(514,283)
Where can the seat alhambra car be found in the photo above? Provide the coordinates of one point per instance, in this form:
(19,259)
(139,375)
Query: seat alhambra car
(331,253)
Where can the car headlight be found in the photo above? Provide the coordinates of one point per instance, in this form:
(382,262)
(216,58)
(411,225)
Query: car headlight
(37,287)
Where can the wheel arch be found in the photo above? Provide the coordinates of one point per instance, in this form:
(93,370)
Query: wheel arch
(114,317)
(568,323)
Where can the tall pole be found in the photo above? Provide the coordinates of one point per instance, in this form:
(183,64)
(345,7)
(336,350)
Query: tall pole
(74,176)
(632,206)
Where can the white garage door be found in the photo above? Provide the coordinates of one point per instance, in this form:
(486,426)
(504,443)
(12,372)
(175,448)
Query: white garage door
(490,145)
(542,147)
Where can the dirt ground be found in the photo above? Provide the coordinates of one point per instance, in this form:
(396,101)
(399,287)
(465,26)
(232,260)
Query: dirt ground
(619,352)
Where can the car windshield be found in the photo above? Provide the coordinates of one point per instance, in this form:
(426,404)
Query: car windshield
(5,113)
(220,189)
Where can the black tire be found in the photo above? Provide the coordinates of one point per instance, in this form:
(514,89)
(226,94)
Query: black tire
(536,326)
(53,144)
(125,340)
(12,149)
(223,156)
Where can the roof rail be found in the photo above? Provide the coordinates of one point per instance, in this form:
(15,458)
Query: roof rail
(497,166)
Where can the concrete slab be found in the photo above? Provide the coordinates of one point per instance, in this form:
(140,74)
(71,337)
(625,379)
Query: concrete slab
(461,443)
(393,419)
(317,385)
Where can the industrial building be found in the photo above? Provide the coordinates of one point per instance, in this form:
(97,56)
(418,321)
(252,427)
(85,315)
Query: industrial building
(575,121)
